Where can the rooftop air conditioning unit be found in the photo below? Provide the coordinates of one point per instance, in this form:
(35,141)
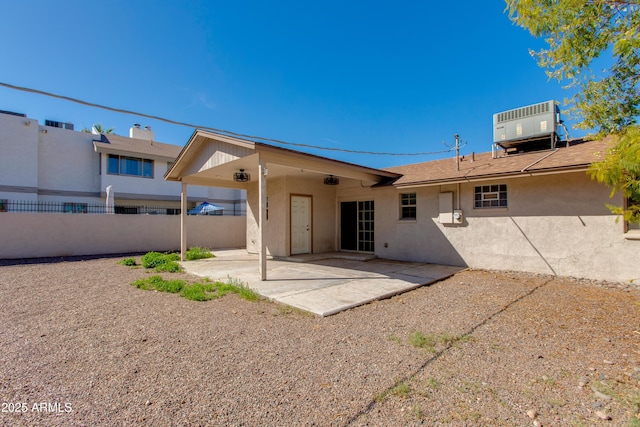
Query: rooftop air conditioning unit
(61,125)
(527,128)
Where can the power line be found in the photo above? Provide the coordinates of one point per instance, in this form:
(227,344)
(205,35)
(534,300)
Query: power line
(253,138)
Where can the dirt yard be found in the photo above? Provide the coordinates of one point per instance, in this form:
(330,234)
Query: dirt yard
(81,346)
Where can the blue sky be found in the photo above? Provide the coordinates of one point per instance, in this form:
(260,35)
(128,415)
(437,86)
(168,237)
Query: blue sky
(399,77)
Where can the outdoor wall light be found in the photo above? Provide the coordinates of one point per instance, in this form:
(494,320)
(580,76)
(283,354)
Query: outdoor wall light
(331,180)
(241,176)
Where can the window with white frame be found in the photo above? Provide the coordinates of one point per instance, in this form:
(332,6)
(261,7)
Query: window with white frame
(131,166)
(408,206)
(490,196)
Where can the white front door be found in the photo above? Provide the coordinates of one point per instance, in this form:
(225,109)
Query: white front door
(300,225)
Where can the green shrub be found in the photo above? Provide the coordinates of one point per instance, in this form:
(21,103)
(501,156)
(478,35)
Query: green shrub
(129,262)
(169,267)
(152,259)
(161,262)
(143,284)
(200,292)
(159,284)
(155,280)
(198,253)
(197,291)
(172,256)
(171,286)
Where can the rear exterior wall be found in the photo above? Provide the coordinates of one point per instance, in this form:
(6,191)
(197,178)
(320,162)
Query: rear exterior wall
(553,224)
(278,228)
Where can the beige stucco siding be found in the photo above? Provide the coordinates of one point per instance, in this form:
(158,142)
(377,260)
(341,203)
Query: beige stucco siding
(278,232)
(555,224)
(421,239)
(216,153)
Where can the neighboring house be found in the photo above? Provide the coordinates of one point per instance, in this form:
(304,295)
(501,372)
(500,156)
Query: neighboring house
(54,165)
(535,211)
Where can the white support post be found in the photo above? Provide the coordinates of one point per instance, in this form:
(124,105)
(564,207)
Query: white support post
(262,216)
(183,222)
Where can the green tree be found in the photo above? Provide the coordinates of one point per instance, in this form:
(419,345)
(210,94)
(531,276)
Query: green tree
(580,36)
(98,128)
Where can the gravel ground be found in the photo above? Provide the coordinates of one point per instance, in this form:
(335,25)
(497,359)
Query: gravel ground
(81,346)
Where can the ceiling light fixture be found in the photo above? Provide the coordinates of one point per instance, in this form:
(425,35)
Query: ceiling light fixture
(241,176)
(331,180)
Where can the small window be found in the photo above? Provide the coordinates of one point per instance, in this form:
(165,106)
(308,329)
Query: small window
(3,205)
(75,207)
(408,206)
(490,196)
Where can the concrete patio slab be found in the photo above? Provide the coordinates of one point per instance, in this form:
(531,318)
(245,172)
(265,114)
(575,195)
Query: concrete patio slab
(322,284)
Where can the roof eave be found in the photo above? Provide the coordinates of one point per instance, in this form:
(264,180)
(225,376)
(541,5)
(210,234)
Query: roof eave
(197,139)
(487,177)
(101,147)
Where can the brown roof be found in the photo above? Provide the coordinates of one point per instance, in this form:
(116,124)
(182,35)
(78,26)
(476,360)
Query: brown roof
(577,156)
(116,144)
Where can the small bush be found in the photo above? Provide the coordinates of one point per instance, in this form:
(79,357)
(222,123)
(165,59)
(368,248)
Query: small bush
(152,259)
(200,292)
(155,280)
(129,262)
(172,256)
(159,284)
(171,286)
(198,253)
(161,262)
(169,267)
(197,291)
(143,284)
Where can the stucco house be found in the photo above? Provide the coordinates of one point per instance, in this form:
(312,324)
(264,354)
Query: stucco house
(55,164)
(535,211)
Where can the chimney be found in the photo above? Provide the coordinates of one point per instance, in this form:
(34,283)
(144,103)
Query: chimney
(138,133)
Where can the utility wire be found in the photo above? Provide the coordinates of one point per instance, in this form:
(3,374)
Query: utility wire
(253,138)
